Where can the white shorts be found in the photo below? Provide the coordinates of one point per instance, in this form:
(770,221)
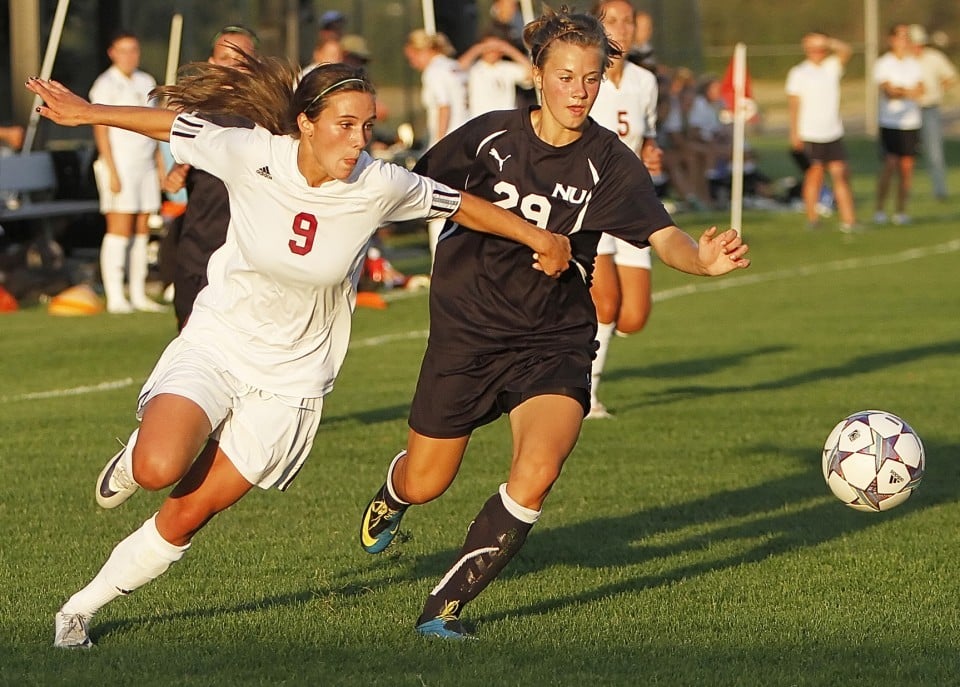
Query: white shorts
(625,254)
(139,188)
(266,436)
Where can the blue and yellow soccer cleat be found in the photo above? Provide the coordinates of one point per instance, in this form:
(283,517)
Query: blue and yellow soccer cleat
(446,625)
(379,525)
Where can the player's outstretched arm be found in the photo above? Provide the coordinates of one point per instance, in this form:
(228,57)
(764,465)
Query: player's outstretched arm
(63,106)
(714,254)
(551,252)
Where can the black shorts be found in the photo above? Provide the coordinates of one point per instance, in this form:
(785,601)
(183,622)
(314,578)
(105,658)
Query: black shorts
(456,394)
(824,153)
(899,142)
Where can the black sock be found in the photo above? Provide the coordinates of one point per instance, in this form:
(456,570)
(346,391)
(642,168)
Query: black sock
(494,537)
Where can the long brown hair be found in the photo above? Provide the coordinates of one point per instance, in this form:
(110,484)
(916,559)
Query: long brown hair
(262,89)
(566,26)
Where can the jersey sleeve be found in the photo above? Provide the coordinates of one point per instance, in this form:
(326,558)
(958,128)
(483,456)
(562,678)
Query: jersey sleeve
(626,205)
(220,150)
(409,196)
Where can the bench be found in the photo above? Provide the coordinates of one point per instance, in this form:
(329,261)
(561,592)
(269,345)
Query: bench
(28,190)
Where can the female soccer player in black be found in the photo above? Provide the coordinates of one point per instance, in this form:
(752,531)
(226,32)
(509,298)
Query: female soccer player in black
(506,339)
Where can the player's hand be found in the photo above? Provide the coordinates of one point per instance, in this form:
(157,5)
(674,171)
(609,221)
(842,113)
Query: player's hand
(723,252)
(60,104)
(175,179)
(553,255)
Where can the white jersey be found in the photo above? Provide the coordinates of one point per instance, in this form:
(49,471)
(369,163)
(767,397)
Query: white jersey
(444,84)
(493,86)
(630,109)
(131,151)
(818,88)
(898,113)
(283,286)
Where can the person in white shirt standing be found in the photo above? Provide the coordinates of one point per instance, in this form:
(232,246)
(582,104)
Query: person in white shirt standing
(627,105)
(938,75)
(235,400)
(816,129)
(443,94)
(495,69)
(900,80)
(128,171)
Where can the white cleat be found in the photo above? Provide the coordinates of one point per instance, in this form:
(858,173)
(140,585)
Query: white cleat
(72,631)
(149,306)
(114,485)
(598,412)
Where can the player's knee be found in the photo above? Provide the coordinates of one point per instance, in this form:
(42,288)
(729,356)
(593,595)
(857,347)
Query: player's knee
(151,470)
(632,321)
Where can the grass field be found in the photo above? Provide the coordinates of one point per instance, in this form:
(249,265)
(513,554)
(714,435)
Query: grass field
(690,541)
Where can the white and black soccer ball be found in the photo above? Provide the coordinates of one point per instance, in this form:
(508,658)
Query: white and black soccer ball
(873,460)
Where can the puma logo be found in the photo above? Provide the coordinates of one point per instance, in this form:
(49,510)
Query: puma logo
(500,160)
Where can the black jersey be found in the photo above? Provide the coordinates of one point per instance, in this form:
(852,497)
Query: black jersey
(484,295)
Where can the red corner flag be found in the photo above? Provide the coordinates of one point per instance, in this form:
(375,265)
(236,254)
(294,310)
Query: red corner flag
(727,93)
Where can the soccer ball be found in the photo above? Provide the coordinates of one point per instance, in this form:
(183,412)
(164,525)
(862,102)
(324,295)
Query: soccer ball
(873,460)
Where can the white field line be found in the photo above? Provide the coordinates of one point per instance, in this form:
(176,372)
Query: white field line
(728,282)
(75,391)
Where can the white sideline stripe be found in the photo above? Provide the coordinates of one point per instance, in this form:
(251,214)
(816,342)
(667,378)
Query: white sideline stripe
(75,391)
(728,282)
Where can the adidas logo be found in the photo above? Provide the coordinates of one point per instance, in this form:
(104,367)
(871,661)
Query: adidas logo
(264,172)
(895,478)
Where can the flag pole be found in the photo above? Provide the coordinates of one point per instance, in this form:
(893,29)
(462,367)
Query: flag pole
(429,19)
(526,11)
(739,126)
(53,44)
(173,48)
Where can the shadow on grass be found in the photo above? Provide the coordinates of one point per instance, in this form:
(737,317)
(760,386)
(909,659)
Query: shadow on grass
(854,366)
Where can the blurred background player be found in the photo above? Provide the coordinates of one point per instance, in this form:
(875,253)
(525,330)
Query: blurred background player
(443,93)
(495,70)
(938,76)
(128,170)
(900,80)
(626,104)
(816,129)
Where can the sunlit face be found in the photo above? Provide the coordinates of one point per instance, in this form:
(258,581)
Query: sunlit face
(569,82)
(225,49)
(124,54)
(330,145)
(618,23)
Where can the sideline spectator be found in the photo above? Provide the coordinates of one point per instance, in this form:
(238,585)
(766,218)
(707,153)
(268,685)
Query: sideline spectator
(900,79)
(327,50)
(816,129)
(492,81)
(12,136)
(641,51)
(443,93)
(128,170)
(938,76)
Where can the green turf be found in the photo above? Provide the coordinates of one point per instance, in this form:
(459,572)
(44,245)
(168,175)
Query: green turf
(690,541)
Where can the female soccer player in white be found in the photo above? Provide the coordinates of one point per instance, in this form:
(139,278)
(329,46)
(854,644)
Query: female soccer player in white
(501,342)
(627,104)
(235,400)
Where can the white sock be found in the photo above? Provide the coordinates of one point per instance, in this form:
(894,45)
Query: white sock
(141,557)
(521,513)
(393,494)
(113,260)
(139,268)
(604,334)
